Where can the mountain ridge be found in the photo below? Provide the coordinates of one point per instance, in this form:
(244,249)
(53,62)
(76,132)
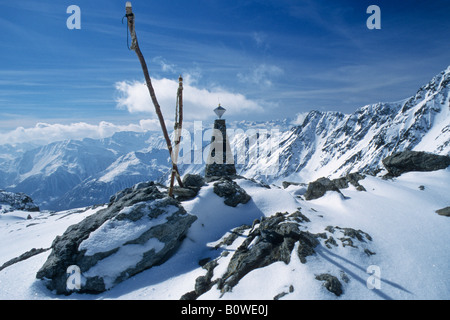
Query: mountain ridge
(75,173)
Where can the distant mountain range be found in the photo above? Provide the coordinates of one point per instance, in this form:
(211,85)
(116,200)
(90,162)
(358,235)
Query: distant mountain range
(77,173)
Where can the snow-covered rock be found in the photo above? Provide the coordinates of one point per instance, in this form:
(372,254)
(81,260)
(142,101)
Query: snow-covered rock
(10,201)
(140,228)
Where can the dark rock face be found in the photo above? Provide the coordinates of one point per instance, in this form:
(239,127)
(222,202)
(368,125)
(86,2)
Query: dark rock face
(192,184)
(331,283)
(231,191)
(193,181)
(407,161)
(273,240)
(23,256)
(318,188)
(139,229)
(444,212)
(16,201)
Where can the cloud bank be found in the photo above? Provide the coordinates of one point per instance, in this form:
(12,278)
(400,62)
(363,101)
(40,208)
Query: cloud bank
(133,97)
(198,103)
(43,133)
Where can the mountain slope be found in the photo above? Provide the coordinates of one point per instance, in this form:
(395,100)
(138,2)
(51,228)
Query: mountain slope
(52,174)
(407,245)
(334,144)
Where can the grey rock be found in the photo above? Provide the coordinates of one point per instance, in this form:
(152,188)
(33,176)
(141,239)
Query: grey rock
(192,184)
(193,181)
(406,161)
(234,234)
(331,283)
(307,243)
(202,283)
(273,240)
(286,184)
(231,191)
(318,188)
(158,224)
(444,212)
(23,256)
(182,194)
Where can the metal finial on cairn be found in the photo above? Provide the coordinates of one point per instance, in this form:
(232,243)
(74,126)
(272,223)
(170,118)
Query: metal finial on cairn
(219,111)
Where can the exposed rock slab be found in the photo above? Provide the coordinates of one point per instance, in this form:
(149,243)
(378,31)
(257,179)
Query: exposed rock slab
(406,161)
(139,229)
(318,188)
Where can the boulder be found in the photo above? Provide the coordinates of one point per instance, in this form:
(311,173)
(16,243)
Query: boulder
(318,188)
(191,186)
(406,161)
(140,228)
(193,181)
(273,240)
(231,191)
(444,212)
(182,194)
(331,283)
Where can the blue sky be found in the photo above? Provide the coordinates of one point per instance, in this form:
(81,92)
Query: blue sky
(261,59)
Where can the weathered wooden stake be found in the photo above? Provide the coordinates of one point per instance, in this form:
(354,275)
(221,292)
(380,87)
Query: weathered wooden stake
(177,128)
(135,46)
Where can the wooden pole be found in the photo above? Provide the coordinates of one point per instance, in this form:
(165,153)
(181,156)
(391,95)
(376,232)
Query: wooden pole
(177,128)
(135,46)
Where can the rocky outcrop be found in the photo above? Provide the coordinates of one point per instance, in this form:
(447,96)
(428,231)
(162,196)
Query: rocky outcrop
(318,188)
(23,256)
(231,191)
(331,283)
(273,239)
(406,161)
(10,201)
(140,228)
(270,240)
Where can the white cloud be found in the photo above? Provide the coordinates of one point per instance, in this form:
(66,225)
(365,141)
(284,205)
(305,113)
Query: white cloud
(299,118)
(261,75)
(260,39)
(198,103)
(165,66)
(43,133)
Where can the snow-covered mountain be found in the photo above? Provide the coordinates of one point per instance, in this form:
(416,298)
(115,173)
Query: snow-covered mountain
(333,144)
(75,173)
(72,173)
